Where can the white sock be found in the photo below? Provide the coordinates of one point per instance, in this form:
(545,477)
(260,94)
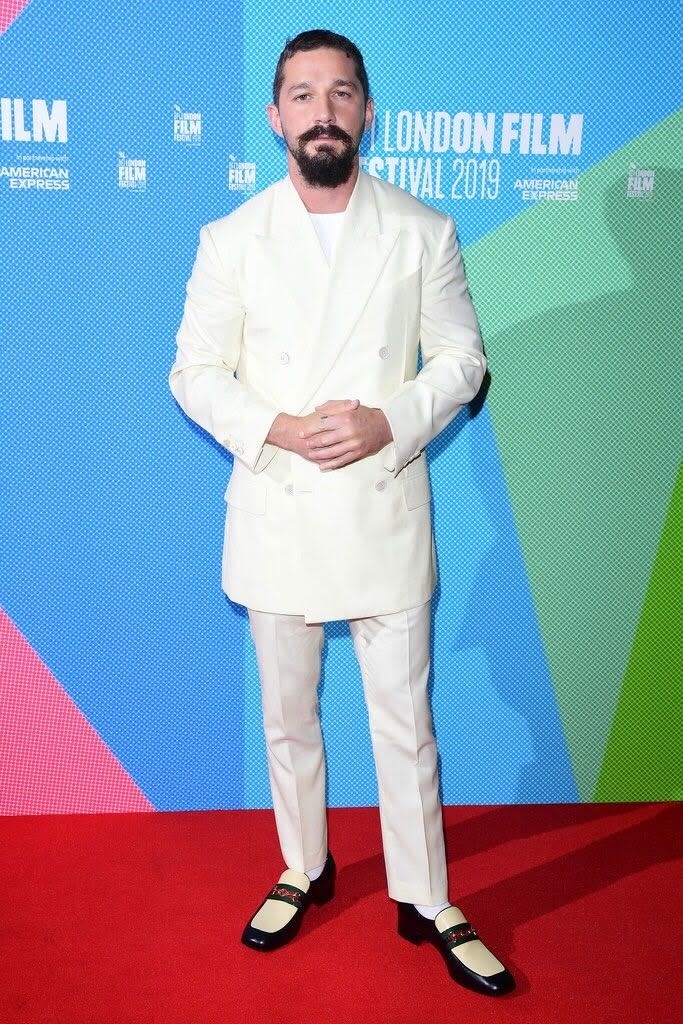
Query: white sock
(428,912)
(314,873)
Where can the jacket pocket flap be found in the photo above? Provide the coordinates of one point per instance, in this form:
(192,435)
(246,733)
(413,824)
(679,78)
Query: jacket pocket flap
(417,490)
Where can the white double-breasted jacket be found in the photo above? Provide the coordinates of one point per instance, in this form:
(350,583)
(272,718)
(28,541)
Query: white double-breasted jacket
(269,327)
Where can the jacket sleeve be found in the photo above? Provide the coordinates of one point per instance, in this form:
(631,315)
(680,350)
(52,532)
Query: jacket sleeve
(452,356)
(204,378)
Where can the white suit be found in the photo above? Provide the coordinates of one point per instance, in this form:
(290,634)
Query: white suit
(269,327)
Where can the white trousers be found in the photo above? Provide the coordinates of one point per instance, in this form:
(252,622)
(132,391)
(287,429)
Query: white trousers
(393,655)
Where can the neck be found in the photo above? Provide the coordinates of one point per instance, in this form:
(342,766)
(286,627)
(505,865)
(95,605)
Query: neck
(322,200)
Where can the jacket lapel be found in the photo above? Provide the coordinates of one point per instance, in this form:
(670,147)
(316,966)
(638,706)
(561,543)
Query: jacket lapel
(324,303)
(362,252)
(296,270)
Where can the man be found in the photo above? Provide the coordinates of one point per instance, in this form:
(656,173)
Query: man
(298,352)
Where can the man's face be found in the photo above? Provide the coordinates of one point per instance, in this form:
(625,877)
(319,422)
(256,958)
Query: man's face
(321,115)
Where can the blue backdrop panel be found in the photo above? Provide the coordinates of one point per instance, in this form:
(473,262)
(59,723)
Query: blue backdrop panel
(110,561)
(113,507)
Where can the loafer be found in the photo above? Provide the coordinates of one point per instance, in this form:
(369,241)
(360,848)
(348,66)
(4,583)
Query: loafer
(468,960)
(278,919)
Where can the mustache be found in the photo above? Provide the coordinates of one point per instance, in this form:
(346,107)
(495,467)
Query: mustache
(330,131)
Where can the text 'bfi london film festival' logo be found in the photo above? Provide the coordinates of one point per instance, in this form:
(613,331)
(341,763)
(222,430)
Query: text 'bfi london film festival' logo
(132,173)
(641,183)
(461,155)
(241,176)
(187,127)
(36,120)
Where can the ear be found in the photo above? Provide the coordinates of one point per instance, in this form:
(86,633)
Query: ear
(369,112)
(273,115)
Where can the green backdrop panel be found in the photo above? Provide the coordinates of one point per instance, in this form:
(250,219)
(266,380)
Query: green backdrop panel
(643,757)
(580,307)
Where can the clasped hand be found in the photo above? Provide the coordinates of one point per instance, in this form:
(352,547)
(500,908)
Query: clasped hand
(335,434)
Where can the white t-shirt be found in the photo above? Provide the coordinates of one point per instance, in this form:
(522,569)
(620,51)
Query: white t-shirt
(327,227)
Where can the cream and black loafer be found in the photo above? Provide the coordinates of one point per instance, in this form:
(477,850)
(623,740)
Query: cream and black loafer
(279,917)
(468,960)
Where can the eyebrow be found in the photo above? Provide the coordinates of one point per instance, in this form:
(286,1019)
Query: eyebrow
(338,81)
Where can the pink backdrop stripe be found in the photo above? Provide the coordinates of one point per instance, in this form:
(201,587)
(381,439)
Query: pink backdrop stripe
(52,761)
(9,10)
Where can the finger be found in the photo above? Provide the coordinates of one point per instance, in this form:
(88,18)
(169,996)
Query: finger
(324,421)
(337,444)
(343,460)
(329,425)
(335,451)
(315,427)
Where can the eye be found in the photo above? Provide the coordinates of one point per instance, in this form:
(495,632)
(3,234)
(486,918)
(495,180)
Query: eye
(344,93)
(301,96)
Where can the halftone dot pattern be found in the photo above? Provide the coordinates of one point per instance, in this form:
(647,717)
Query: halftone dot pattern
(51,759)
(590,472)
(643,754)
(112,507)
(514,652)
(10,11)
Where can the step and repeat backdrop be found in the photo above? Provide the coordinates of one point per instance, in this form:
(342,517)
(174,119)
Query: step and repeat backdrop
(553,136)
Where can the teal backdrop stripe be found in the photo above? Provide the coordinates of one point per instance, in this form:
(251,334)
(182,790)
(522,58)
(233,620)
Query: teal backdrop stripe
(553,138)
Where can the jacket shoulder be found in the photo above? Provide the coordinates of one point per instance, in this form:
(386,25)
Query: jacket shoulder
(249,216)
(396,201)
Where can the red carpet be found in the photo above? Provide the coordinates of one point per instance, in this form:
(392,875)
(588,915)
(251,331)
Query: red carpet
(136,918)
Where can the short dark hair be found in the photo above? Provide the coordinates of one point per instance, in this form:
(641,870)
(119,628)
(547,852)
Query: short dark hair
(316,39)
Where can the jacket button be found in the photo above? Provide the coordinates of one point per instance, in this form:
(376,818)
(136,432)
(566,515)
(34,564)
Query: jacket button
(284,358)
(289,490)
(380,485)
(384,352)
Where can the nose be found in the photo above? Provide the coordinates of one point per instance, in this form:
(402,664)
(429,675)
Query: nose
(324,113)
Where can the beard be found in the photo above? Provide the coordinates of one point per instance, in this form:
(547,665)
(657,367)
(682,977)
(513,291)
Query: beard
(326,168)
